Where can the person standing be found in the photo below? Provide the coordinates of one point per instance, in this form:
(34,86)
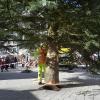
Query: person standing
(2,62)
(16,61)
(41,62)
(1,65)
(7,61)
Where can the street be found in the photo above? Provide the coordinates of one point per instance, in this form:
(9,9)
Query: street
(76,85)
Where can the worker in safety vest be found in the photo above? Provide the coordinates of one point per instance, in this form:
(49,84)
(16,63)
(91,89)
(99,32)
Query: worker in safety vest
(41,62)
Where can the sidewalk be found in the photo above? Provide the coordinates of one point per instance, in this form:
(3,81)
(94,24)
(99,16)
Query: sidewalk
(78,85)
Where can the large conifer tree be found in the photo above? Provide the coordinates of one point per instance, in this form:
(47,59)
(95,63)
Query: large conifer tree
(67,23)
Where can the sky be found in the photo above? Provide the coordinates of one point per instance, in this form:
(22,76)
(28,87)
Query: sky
(73,2)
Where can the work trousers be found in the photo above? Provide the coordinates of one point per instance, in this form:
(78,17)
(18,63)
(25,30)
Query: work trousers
(41,71)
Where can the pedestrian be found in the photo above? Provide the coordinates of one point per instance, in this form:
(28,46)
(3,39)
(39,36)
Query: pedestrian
(41,62)
(12,62)
(2,64)
(15,61)
(23,60)
(7,61)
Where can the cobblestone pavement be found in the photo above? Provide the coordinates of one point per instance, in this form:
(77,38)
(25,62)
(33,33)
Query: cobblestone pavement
(77,85)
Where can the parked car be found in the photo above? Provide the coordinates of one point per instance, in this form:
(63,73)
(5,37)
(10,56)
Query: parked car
(64,62)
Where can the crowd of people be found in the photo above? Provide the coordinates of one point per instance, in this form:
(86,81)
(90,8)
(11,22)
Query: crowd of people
(12,61)
(8,61)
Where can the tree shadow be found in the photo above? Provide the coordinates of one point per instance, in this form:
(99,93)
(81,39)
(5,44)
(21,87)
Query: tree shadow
(77,82)
(16,95)
(10,76)
(71,83)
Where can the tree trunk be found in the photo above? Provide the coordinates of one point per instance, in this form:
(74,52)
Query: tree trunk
(52,72)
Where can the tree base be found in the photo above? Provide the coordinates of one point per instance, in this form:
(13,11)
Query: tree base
(54,87)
